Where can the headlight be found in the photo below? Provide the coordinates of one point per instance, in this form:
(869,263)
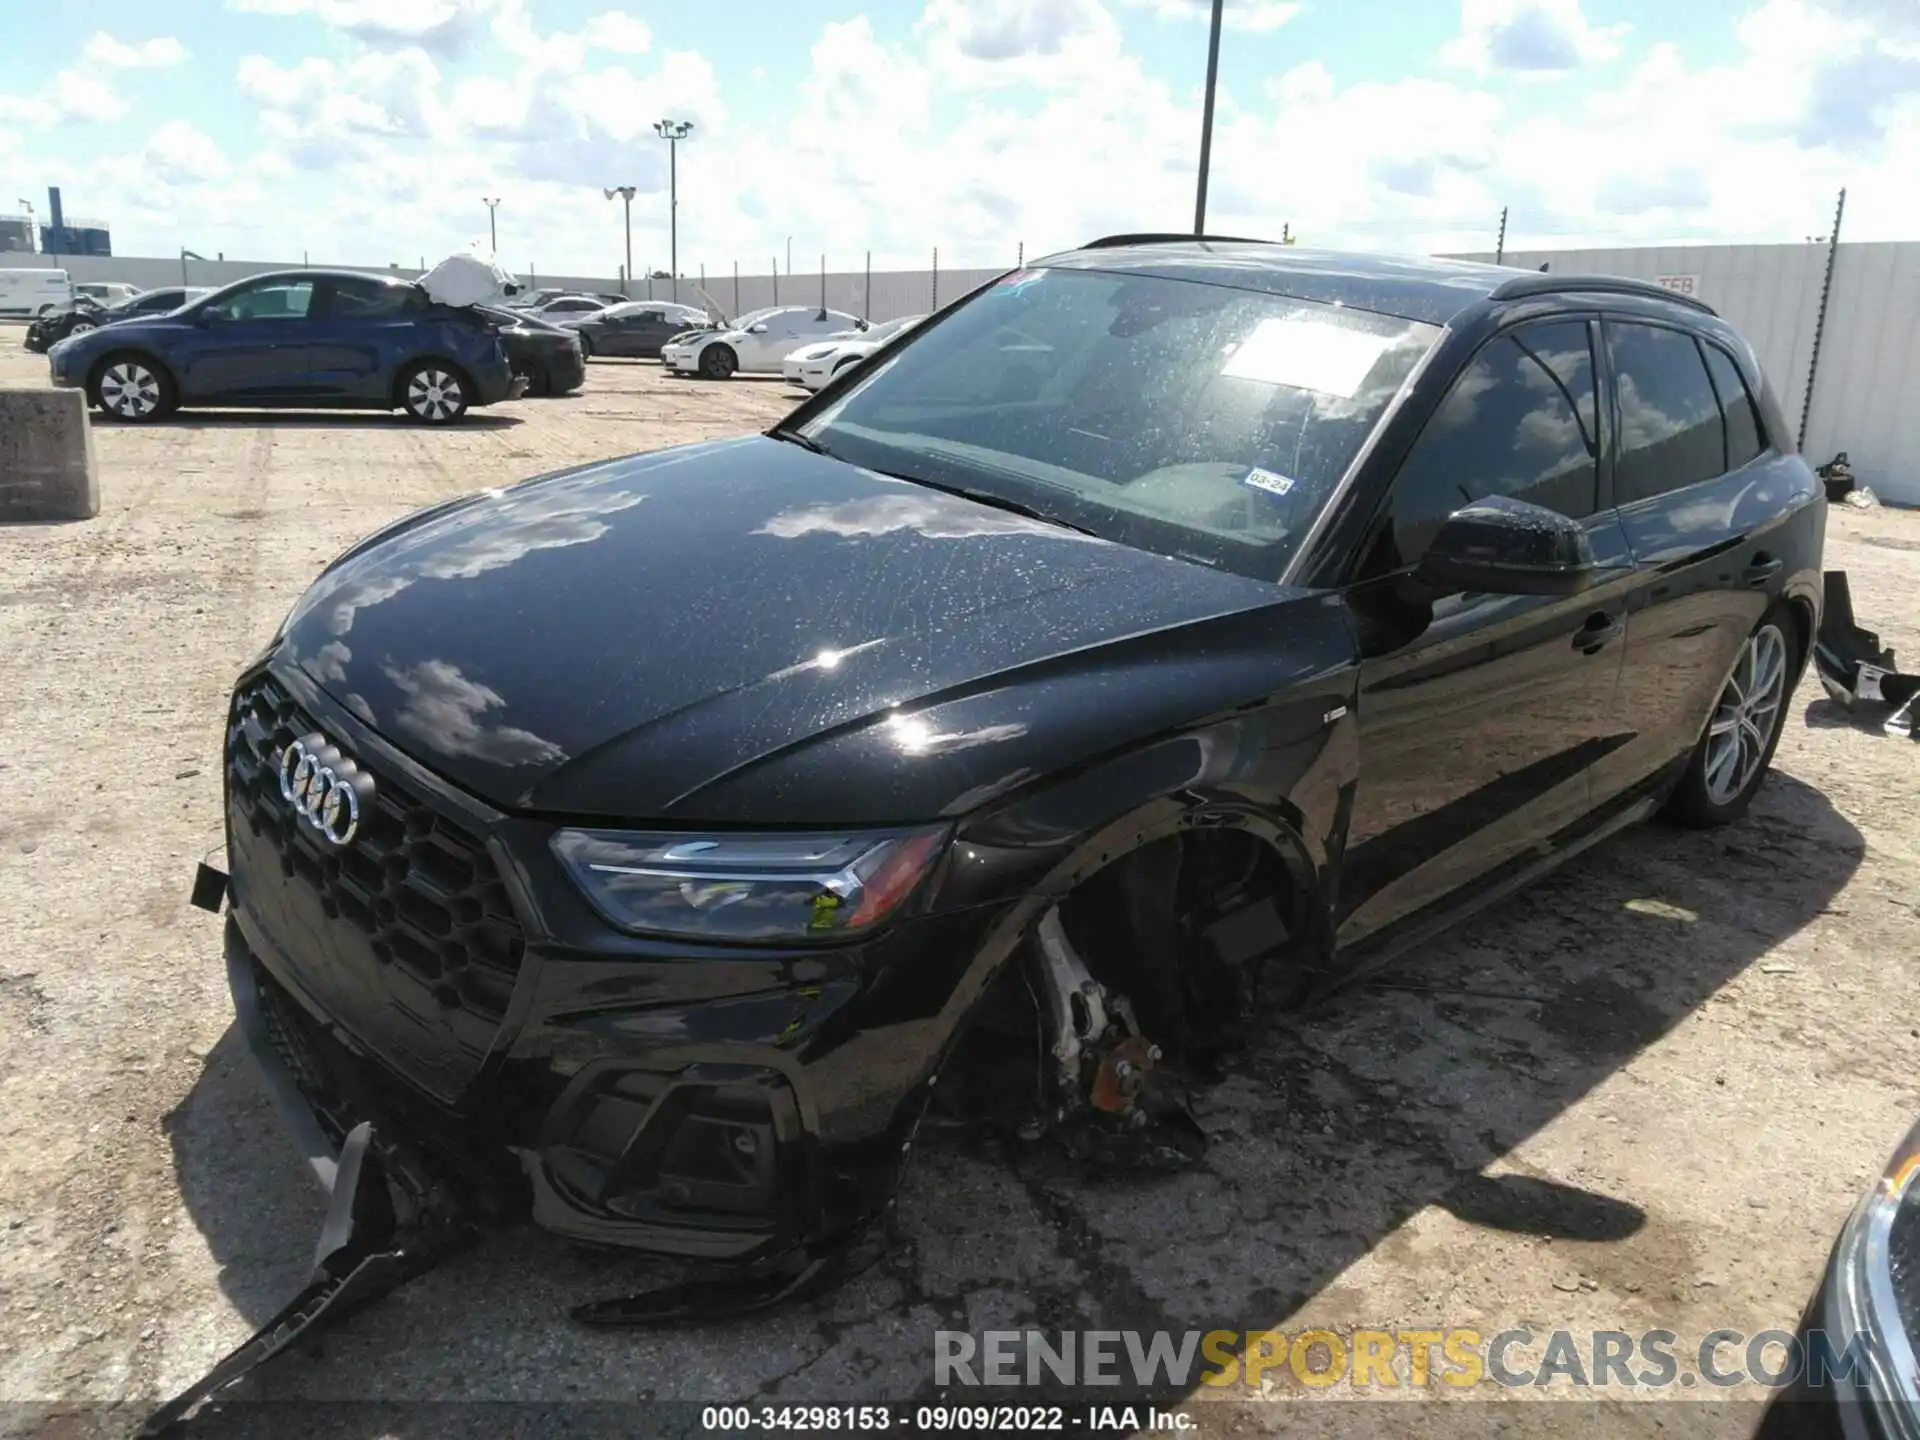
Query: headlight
(765,888)
(1874,1294)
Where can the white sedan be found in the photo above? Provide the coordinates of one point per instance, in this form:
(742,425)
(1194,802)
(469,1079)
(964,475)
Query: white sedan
(755,342)
(813,365)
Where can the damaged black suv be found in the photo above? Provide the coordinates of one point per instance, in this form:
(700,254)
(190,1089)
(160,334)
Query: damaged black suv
(1165,622)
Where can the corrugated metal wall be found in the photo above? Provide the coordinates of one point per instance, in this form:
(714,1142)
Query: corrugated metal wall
(1866,399)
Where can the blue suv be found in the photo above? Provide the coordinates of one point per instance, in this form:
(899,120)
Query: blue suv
(305,339)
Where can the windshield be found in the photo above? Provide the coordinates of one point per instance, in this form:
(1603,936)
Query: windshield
(1187,418)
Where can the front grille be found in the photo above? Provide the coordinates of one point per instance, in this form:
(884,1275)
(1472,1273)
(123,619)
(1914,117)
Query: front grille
(415,892)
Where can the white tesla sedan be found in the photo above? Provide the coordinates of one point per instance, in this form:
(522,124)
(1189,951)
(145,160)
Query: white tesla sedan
(813,365)
(756,342)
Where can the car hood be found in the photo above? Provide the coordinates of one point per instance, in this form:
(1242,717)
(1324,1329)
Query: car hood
(613,639)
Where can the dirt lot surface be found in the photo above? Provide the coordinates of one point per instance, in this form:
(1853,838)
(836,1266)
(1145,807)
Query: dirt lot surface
(1641,1095)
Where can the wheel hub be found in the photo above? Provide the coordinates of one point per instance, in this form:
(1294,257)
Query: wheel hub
(1746,716)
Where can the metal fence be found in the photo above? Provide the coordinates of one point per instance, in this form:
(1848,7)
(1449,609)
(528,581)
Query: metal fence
(1865,390)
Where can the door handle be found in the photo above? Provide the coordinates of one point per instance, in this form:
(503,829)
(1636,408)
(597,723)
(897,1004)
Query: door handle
(1600,631)
(1763,569)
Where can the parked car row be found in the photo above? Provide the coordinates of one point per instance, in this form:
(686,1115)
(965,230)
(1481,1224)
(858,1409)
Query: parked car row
(313,339)
(344,339)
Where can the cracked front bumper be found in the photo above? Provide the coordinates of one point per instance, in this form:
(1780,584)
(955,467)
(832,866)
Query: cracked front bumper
(703,1101)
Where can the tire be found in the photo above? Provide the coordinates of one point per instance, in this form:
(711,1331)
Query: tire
(586,346)
(539,379)
(81,327)
(132,388)
(1736,748)
(433,392)
(718,362)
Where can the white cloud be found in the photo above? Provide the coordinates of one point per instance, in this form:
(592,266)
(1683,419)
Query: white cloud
(1530,36)
(989,124)
(158,53)
(442,27)
(1251,15)
(615,30)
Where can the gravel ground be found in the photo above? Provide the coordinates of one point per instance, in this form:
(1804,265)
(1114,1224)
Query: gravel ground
(1641,1095)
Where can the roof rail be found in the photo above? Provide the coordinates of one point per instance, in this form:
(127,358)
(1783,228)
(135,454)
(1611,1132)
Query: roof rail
(1114,242)
(1521,286)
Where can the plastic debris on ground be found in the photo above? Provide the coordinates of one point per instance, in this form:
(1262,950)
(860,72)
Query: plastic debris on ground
(1856,669)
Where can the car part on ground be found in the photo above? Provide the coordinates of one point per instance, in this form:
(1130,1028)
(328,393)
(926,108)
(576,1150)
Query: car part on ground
(1837,475)
(1068,684)
(1856,670)
(306,339)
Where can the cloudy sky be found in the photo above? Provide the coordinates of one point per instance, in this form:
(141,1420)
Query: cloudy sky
(368,131)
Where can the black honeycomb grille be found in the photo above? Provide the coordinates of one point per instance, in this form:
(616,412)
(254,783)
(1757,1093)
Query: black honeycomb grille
(420,888)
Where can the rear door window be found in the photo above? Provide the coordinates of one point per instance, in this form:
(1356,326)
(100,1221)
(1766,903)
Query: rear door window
(1671,433)
(1745,441)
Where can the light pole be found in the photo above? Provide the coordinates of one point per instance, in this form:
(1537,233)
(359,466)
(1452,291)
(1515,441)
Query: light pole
(673,132)
(1206,121)
(493,235)
(626,193)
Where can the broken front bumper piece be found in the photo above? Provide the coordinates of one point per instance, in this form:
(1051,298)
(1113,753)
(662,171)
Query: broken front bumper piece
(1857,671)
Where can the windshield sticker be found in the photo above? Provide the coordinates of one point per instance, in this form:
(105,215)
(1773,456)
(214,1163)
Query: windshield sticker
(1268,481)
(1307,355)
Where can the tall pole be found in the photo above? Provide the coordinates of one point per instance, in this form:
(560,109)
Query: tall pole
(493,234)
(866,302)
(776,279)
(736,289)
(823,280)
(1820,321)
(1206,121)
(1500,245)
(789,257)
(626,193)
(673,132)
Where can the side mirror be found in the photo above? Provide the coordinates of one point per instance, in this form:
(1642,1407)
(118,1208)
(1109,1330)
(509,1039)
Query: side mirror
(206,316)
(759,329)
(1500,546)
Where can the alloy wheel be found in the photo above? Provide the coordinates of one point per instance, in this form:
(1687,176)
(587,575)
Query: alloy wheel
(434,395)
(130,389)
(1743,722)
(81,328)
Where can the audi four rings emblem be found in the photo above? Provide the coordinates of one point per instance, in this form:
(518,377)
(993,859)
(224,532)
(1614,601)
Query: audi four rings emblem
(325,788)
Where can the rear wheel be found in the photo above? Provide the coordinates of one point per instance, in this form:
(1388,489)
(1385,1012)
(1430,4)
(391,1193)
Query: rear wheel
(433,393)
(586,346)
(1734,754)
(718,362)
(131,387)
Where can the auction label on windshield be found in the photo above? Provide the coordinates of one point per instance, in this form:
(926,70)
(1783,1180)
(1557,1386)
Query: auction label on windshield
(1268,481)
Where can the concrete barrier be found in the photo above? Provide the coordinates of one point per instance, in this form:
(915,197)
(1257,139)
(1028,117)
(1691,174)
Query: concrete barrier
(47,468)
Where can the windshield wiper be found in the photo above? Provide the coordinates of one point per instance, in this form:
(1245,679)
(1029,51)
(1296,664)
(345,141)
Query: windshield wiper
(999,502)
(979,497)
(805,442)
